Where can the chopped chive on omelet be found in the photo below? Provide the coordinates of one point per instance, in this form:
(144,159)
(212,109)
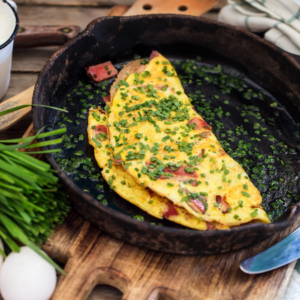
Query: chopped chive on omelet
(158,153)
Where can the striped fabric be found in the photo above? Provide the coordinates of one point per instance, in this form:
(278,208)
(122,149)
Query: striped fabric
(286,11)
(280,19)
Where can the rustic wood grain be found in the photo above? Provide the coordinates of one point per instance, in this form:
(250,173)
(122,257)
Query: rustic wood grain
(39,15)
(98,3)
(17,130)
(118,10)
(105,292)
(24,98)
(31,60)
(93,257)
(184,7)
(18,83)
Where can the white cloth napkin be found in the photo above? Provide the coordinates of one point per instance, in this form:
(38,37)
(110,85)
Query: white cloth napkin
(292,291)
(279,18)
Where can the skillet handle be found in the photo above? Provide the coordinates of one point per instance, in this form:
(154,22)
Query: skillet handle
(36,36)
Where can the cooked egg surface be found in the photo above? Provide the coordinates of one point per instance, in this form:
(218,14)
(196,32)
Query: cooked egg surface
(27,276)
(166,146)
(98,136)
(129,189)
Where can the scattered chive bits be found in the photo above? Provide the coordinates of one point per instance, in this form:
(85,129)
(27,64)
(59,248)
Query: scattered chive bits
(243,143)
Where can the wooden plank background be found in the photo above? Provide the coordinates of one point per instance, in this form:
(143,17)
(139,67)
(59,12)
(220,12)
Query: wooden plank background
(97,3)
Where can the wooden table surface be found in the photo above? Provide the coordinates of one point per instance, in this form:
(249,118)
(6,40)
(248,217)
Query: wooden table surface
(27,63)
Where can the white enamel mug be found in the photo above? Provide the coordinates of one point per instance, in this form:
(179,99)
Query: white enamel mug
(9,25)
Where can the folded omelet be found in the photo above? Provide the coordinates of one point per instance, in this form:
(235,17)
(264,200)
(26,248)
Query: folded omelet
(159,139)
(125,185)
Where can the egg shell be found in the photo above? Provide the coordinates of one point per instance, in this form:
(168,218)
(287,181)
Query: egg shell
(27,276)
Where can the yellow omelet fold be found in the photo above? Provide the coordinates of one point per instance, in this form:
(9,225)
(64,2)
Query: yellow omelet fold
(127,187)
(165,145)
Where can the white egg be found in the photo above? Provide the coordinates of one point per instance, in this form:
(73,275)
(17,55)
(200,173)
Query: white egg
(27,276)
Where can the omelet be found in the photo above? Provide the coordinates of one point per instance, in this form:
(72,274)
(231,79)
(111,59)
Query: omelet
(128,188)
(165,145)
(98,136)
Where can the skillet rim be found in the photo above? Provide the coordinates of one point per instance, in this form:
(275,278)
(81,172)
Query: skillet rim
(277,226)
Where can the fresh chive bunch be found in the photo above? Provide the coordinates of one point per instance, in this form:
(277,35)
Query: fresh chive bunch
(32,202)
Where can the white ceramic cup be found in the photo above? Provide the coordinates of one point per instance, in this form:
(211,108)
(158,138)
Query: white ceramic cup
(6,47)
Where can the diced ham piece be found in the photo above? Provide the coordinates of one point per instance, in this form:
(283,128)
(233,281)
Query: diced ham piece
(102,71)
(159,86)
(224,205)
(201,154)
(100,128)
(200,124)
(106,99)
(197,205)
(210,226)
(194,183)
(153,54)
(117,161)
(151,193)
(171,211)
(180,172)
(140,69)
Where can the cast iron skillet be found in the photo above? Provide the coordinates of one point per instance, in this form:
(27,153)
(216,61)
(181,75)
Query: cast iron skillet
(115,38)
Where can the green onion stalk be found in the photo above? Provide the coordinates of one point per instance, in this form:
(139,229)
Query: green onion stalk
(32,201)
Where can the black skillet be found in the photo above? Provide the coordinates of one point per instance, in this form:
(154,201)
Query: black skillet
(177,37)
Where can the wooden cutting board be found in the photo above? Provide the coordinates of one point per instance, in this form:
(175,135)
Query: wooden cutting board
(93,257)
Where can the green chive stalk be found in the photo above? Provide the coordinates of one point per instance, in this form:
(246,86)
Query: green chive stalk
(32,201)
